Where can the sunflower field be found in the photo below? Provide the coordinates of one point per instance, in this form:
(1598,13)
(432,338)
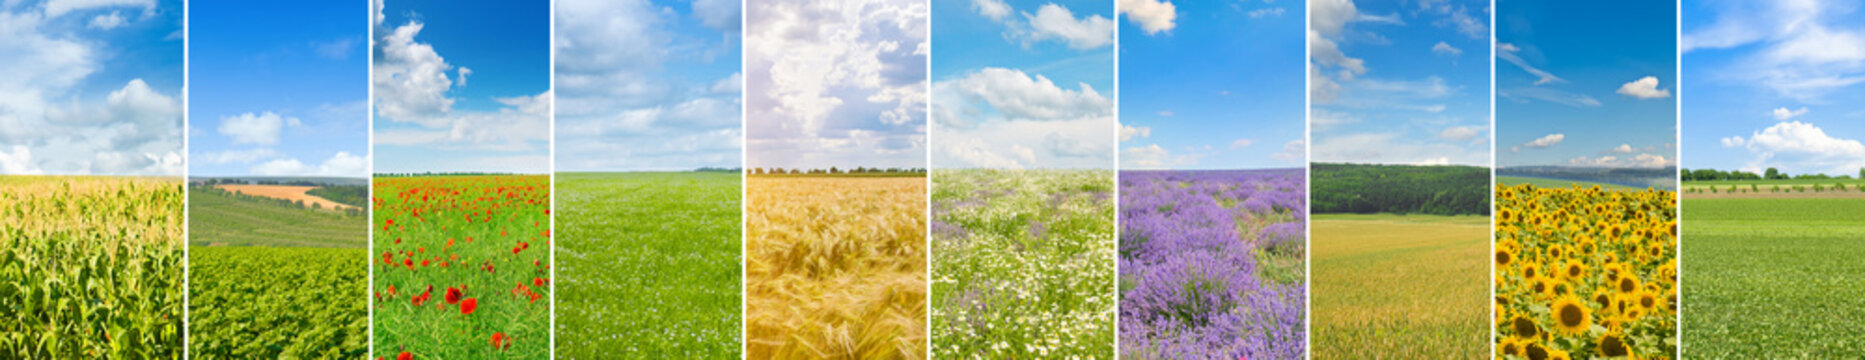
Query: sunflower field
(1585,273)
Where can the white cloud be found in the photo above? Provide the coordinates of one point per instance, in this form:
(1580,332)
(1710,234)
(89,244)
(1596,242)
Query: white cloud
(1443,48)
(1461,133)
(18,162)
(342,164)
(1006,108)
(108,21)
(1241,143)
(1145,157)
(1550,95)
(1323,120)
(1295,151)
(722,15)
(1329,17)
(1637,161)
(1783,114)
(1508,51)
(1799,49)
(1153,16)
(1055,22)
(56,8)
(1802,147)
(411,79)
(1128,133)
(819,71)
(1265,12)
(1018,96)
(730,85)
(1545,141)
(1326,53)
(994,9)
(260,129)
(411,87)
(1644,88)
(1624,149)
(246,156)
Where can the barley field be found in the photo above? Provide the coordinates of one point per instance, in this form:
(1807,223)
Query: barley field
(835,267)
(1390,285)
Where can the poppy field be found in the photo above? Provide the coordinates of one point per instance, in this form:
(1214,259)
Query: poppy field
(91,267)
(1212,264)
(462,267)
(1585,272)
(835,267)
(1023,263)
(649,265)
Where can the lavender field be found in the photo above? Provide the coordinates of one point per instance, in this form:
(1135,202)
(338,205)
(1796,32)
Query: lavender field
(1023,264)
(1211,264)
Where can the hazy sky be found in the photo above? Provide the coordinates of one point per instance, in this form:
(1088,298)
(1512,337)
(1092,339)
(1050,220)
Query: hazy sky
(277,88)
(1586,83)
(648,85)
(836,84)
(1212,85)
(91,87)
(462,86)
(1774,84)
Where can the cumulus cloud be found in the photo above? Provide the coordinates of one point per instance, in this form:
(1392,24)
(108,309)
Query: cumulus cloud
(993,9)
(411,86)
(1443,48)
(1783,114)
(1804,50)
(1152,16)
(108,21)
(1018,96)
(1461,133)
(1054,22)
(1624,149)
(1644,88)
(1799,146)
(51,119)
(1007,107)
(342,164)
(1128,133)
(1545,141)
(260,129)
(836,84)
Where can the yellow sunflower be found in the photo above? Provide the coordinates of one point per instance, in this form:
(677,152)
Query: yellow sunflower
(1647,301)
(1504,256)
(1571,315)
(1574,271)
(1612,344)
(1524,327)
(1626,283)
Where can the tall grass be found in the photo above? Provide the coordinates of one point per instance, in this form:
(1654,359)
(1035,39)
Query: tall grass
(836,268)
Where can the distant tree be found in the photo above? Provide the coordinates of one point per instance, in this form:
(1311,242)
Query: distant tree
(832,170)
(1775,174)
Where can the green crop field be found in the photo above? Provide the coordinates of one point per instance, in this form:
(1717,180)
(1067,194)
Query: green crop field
(650,265)
(269,279)
(1558,184)
(1773,278)
(219,218)
(1400,286)
(1770,186)
(90,267)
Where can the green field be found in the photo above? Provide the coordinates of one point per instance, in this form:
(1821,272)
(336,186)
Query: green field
(1558,184)
(272,280)
(219,218)
(649,264)
(1773,278)
(1400,286)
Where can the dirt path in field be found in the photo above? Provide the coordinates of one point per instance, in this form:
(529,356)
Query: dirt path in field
(293,193)
(1765,194)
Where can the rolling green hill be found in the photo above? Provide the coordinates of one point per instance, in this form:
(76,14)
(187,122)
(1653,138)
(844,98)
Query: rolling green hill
(1557,184)
(220,219)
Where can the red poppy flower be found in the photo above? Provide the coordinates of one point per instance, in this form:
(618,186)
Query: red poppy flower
(404,356)
(537,281)
(546,232)
(453,296)
(409,262)
(515,249)
(467,306)
(423,262)
(387,258)
(398,241)
(500,341)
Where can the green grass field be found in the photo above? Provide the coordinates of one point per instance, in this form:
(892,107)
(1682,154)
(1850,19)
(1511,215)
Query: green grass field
(272,281)
(1555,183)
(217,218)
(649,264)
(1773,278)
(1413,286)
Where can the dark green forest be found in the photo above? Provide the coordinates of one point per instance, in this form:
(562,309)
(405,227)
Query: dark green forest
(1400,189)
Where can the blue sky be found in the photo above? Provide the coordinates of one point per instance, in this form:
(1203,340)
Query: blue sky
(462,86)
(278,88)
(1400,82)
(1583,83)
(1774,84)
(1220,87)
(835,84)
(1023,84)
(648,85)
(90,87)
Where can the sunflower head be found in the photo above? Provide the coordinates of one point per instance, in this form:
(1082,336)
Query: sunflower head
(1613,345)
(1558,354)
(1504,257)
(1571,315)
(1524,327)
(1626,284)
(1647,301)
(1535,351)
(1574,270)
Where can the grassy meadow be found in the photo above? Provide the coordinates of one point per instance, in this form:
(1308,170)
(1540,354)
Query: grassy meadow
(1773,278)
(91,267)
(273,279)
(649,265)
(835,267)
(1400,285)
(1023,263)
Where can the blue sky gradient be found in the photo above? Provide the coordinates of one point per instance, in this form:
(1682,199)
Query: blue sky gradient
(278,88)
(1400,82)
(1774,84)
(1023,84)
(1587,84)
(1221,89)
(648,85)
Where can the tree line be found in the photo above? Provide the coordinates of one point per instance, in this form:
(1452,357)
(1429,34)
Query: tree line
(1400,189)
(272,201)
(1769,174)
